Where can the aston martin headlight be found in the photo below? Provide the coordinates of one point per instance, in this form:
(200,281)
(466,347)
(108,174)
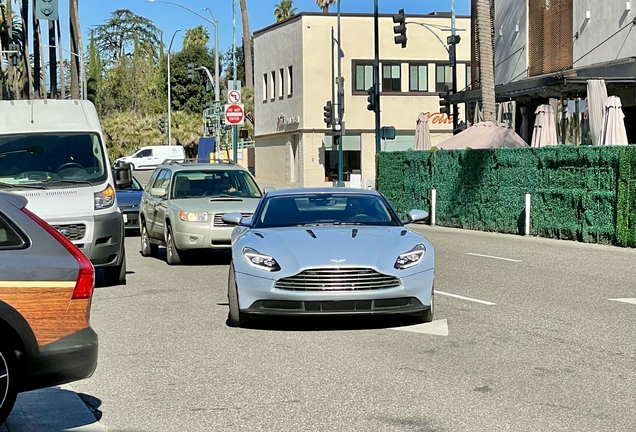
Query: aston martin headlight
(410,258)
(193,216)
(259,260)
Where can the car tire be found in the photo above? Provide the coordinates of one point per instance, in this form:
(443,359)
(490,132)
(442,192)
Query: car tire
(116,275)
(427,315)
(236,318)
(173,255)
(8,380)
(147,248)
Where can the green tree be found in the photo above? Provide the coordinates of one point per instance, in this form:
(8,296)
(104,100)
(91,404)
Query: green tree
(95,71)
(248,49)
(240,62)
(283,10)
(190,96)
(324,4)
(196,36)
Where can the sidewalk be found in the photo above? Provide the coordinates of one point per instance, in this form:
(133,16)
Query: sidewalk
(52,409)
(268,183)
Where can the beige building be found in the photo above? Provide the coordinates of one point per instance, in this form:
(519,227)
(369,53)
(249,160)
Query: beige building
(292,74)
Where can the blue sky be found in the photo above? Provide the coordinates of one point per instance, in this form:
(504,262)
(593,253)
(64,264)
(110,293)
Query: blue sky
(168,18)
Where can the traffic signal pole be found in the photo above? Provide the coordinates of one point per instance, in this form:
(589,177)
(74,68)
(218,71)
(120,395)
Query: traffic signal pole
(340,110)
(376,75)
(453,50)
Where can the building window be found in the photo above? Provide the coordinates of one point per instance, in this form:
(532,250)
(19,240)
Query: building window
(363,77)
(469,78)
(281,89)
(418,78)
(443,78)
(290,80)
(391,78)
(352,157)
(272,95)
(265,88)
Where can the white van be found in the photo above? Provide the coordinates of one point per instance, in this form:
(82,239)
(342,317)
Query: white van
(151,156)
(54,153)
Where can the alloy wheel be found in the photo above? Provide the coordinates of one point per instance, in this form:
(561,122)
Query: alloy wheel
(4,379)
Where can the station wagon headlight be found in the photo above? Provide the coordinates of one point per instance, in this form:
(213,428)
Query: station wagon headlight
(193,216)
(259,260)
(105,198)
(410,258)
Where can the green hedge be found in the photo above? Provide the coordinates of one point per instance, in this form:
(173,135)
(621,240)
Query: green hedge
(578,193)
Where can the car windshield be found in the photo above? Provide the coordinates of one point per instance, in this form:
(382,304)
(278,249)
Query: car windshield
(214,183)
(65,158)
(325,209)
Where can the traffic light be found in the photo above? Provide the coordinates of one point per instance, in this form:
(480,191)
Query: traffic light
(162,125)
(243,133)
(14,56)
(328,114)
(444,101)
(190,71)
(400,28)
(371,99)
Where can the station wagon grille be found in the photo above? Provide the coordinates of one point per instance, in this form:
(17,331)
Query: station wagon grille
(218,219)
(337,279)
(72,231)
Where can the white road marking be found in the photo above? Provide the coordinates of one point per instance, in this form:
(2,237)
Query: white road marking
(466,298)
(625,300)
(493,257)
(436,328)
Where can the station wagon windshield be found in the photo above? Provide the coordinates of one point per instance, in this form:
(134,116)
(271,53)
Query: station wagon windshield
(214,183)
(65,159)
(325,209)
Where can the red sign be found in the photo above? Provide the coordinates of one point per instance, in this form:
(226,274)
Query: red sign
(234,114)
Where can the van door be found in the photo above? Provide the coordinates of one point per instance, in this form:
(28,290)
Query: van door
(144,158)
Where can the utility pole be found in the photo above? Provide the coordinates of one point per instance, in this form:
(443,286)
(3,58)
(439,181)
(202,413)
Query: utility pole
(376,75)
(339,121)
(453,64)
(234,128)
(217,87)
(169,90)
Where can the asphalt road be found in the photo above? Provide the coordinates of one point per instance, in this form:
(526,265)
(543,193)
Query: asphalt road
(533,342)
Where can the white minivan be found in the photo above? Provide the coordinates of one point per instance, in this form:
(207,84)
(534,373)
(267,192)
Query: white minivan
(53,152)
(152,156)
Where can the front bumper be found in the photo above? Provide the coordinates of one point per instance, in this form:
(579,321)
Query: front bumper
(108,235)
(257,295)
(188,236)
(69,359)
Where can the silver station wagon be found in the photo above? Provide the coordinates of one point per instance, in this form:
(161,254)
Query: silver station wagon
(183,204)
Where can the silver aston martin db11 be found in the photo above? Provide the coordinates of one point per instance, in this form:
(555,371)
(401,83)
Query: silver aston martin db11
(328,251)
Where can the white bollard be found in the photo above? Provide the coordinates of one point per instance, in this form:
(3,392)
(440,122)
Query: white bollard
(527,214)
(433,205)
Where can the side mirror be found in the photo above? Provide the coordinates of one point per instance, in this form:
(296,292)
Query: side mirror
(123,175)
(247,221)
(417,215)
(268,189)
(158,192)
(233,218)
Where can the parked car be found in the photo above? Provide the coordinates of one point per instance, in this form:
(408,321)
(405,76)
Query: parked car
(152,156)
(328,251)
(183,203)
(129,199)
(46,287)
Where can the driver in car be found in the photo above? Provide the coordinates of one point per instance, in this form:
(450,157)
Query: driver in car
(226,186)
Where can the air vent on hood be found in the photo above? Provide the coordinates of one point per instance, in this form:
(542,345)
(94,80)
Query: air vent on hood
(354,232)
(259,234)
(311,233)
(403,233)
(226,200)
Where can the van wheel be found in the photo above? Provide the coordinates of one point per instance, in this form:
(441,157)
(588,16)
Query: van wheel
(173,255)
(116,275)
(8,380)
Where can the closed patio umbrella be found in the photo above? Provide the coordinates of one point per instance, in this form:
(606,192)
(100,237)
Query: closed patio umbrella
(613,130)
(422,133)
(545,132)
(596,97)
(484,135)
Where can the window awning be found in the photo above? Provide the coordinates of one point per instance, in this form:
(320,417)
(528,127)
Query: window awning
(568,83)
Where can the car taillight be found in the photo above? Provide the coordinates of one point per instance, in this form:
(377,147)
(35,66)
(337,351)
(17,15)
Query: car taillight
(85,283)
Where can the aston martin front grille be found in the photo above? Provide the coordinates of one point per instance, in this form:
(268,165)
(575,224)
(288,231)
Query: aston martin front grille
(337,279)
(72,231)
(218,219)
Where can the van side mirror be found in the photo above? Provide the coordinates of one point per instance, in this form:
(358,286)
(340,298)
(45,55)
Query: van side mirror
(123,175)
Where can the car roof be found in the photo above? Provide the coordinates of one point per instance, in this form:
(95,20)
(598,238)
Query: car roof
(202,166)
(323,190)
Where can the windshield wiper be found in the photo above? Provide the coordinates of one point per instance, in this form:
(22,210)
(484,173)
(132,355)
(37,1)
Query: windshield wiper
(26,186)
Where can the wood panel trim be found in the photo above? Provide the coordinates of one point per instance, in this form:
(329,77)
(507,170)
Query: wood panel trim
(37,284)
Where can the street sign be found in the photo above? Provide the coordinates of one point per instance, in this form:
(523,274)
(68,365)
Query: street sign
(234,96)
(46,10)
(234,114)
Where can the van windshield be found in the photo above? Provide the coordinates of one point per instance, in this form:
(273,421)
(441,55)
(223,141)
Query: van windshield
(63,158)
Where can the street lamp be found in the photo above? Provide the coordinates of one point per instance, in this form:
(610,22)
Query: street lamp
(169,92)
(215,23)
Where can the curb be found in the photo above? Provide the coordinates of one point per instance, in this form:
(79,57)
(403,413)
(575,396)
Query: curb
(51,409)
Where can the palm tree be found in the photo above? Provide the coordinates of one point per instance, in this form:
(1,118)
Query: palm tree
(196,36)
(26,85)
(284,10)
(61,60)
(247,47)
(37,54)
(324,4)
(486,62)
(75,45)
(52,60)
